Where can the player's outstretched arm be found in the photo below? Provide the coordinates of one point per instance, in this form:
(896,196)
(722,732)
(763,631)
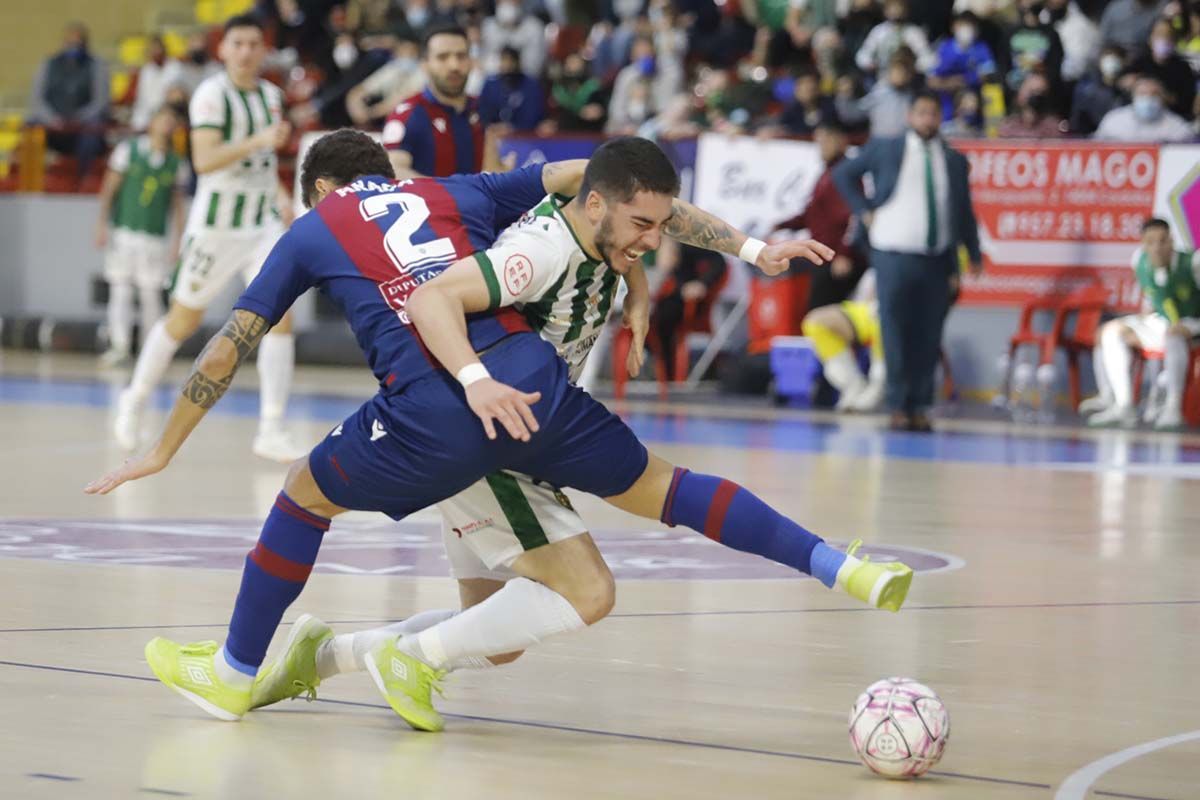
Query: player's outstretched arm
(691,225)
(211,376)
(438,310)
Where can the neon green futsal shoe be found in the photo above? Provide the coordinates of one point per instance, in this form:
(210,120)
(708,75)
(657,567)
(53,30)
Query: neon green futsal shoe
(189,670)
(407,684)
(295,672)
(879,585)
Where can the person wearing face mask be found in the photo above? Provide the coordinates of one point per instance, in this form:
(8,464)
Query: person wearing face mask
(1098,92)
(1146,119)
(886,105)
(642,89)
(967,122)
(153,78)
(374,98)
(963,61)
(510,98)
(1034,46)
(1128,22)
(1171,70)
(1034,117)
(197,63)
(70,97)
(513,27)
(895,31)
(577,101)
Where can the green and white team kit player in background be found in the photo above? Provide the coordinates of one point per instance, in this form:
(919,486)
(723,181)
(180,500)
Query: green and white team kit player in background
(237,125)
(141,218)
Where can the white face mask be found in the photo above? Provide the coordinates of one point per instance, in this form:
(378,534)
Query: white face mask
(965,36)
(1110,65)
(344,55)
(417,17)
(1147,107)
(508,14)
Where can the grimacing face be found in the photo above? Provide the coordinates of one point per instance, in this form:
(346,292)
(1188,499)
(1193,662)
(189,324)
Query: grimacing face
(627,231)
(447,63)
(243,50)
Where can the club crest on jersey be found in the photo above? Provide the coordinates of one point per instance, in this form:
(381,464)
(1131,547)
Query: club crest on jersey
(440,124)
(393,132)
(518,273)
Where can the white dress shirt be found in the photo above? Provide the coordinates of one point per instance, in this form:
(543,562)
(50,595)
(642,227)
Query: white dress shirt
(901,224)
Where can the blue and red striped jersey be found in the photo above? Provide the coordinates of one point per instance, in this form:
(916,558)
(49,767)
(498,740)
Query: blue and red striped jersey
(441,140)
(369,245)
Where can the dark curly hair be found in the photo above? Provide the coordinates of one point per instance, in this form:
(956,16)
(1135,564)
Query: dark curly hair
(341,157)
(626,165)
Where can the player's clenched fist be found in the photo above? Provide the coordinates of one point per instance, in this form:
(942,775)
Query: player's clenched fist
(493,402)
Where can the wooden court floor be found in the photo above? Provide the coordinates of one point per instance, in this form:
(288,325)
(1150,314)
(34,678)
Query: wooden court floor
(1056,611)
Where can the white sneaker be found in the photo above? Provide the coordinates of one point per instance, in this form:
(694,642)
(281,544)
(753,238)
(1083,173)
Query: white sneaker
(1169,419)
(869,398)
(277,445)
(128,422)
(848,398)
(114,358)
(1115,417)
(1094,404)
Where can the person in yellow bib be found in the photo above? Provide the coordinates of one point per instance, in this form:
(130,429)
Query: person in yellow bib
(836,330)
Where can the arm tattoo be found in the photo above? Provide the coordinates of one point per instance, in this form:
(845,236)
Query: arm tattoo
(243,331)
(690,225)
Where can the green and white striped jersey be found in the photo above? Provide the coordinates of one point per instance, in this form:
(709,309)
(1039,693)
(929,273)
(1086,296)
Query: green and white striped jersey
(539,265)
(241,196)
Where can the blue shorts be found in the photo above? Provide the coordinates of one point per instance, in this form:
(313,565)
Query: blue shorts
(400,453)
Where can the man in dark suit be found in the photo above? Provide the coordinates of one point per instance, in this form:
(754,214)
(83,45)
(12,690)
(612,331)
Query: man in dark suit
(914,223)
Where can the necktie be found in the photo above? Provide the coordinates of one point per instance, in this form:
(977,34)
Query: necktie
(931,235)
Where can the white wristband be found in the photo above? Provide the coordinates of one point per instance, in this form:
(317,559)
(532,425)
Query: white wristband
(750,250)
(471,373)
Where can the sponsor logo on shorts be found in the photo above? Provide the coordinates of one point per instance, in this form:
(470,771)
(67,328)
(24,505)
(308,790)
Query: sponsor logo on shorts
(471,527)
(518,273)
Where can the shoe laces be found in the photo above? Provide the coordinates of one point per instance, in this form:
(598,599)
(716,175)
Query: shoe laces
(434,677)
(309,689)
(853,548)
(199,649)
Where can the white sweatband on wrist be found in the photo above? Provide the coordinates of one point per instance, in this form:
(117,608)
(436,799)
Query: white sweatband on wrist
(751,249)
(471,373)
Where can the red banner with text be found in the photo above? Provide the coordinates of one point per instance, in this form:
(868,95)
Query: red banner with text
(1054,217)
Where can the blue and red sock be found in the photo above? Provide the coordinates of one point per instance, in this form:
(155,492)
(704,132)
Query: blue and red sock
(275,573)
(735,517)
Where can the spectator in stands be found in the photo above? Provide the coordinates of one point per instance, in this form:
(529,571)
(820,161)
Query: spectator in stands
(918,217)
(827,218)
(1098,92)
(378,24)
(513,27)
(992,16)
(577,101)
(789,44)
(1189,38)
(510,98)
(158,73)
(642,89)
(690,277)
(895,31)
(611,37)
(140,223)
(886,105)
(963,61)
(967,122)
(1128,22)
(1033,116)
(1146,119)
(374,98)
(420,15)
(70,98)
(853,30)
(806,111)
(197,63)
(1033,45)
(438,132)
(1080,36)
(1172,71)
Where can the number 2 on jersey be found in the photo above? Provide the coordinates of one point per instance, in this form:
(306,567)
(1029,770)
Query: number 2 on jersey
(397,241)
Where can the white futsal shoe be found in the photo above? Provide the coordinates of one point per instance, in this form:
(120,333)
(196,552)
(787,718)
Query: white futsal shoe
(1094,405)
(276,444)
(1115,417)
(1169,419)
(128,421)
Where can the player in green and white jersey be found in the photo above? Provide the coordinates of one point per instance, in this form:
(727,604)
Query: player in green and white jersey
(140,204)
(240,209)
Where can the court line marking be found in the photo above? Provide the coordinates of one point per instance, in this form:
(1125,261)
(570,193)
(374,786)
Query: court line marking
(1077,784)
(647,614)
(571,729)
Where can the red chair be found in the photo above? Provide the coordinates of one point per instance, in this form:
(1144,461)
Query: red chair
(697,318)
(1084,307)
(1191,392)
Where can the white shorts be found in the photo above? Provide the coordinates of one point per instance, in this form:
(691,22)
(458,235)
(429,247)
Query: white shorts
(488,524)
(136,257)
(1151,329)
(208,260)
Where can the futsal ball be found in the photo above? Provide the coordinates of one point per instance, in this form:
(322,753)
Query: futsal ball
(899,728)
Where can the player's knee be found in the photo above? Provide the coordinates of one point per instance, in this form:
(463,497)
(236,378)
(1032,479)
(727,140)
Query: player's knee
(304,492)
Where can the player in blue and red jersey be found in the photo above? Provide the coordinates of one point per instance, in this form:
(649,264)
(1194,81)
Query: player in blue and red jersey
(437,132)
(372,244)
